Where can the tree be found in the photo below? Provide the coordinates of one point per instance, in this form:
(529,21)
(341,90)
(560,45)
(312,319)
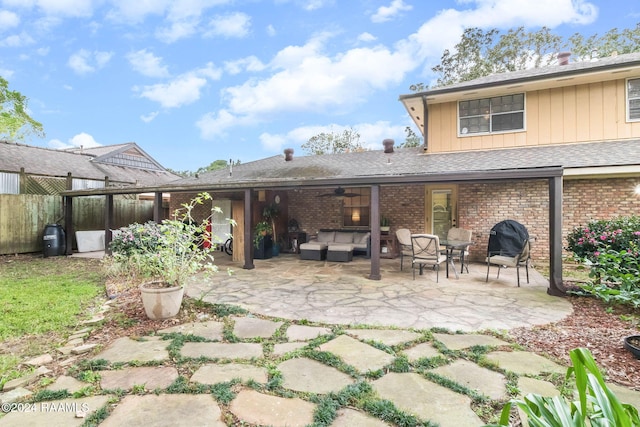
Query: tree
(412,140)
(334,142)
(215,165)
(481,53)
(15,122)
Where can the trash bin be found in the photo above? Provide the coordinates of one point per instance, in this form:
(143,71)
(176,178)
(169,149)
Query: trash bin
(54,242)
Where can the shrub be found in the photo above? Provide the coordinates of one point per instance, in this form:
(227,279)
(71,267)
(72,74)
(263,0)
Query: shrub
(587,242)
(611,249)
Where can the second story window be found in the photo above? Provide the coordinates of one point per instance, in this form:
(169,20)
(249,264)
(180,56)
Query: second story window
(633,100)
(491,115)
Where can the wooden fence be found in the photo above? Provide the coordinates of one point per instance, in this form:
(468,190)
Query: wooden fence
(23,217)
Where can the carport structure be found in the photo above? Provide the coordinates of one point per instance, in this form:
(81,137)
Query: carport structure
(375,170)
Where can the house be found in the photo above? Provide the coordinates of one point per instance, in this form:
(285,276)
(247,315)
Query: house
(550,147)
(32,179)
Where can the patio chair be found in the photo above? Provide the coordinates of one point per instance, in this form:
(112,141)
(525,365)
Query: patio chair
(426,251)
(404,240)
(520,259)
(463,235)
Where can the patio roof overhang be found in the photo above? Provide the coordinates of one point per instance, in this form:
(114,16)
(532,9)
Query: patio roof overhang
(553,174)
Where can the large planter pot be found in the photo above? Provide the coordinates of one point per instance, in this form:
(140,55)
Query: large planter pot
(264,249)
(160,301)
(632,343)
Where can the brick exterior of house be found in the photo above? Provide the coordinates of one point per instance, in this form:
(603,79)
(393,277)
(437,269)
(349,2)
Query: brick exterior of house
(480,206)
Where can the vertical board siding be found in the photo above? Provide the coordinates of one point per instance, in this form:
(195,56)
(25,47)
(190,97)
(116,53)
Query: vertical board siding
(580,113)
(23,217)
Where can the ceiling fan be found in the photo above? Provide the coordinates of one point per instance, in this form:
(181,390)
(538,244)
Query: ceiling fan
(339,193)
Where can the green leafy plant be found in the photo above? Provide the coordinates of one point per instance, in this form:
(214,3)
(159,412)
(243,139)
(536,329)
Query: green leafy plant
(170,252)
(596,404)
(586,242)
(262,229)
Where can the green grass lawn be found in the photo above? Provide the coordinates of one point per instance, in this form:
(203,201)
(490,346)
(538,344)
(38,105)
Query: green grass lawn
(40,298)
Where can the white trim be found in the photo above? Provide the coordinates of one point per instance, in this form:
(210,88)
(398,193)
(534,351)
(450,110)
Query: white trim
(627,100)
(598,172)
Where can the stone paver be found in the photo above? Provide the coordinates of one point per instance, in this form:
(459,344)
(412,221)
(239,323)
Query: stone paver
(533,385)
(55,413)
(462,341)
(304,333)
(427,400)
(420,351)
(152,377)
(210,330)
(166,410)
(361,356)
(40,360)
(474,377)
(284,348)
(257,408)
(524,362)
(252,327)
(347,417)
(15,395)
(625,395)
(220,373)
(217,350)
(385,336)
(126,350)
(65,382)
(308,375)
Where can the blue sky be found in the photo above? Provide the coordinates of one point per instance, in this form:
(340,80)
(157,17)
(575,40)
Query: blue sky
(193,81)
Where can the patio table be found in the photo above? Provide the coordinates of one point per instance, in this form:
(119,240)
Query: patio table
(453,245)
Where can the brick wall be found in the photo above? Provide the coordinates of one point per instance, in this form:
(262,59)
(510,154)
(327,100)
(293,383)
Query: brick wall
(480,207)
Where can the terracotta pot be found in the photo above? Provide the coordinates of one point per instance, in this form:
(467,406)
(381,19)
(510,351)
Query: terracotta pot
(161,302)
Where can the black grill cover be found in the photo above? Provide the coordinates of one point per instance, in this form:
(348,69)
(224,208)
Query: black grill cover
(507,238)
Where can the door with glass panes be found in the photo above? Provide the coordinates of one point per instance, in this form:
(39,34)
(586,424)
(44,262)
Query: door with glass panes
(441,209)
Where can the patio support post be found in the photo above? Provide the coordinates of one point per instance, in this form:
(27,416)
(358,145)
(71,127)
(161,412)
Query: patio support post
(108,222)
(375,233)
(248,240)
(157,207)
(556,286)
(67,203)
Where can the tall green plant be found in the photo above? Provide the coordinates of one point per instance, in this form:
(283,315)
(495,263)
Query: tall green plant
(596,405)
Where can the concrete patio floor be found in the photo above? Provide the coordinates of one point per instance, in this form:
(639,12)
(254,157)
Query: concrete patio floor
(341,293)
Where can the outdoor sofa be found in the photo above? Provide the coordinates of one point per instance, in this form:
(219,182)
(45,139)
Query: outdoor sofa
(340,244)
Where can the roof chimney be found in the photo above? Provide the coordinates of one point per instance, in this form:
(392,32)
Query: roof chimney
(288,154)
(388,145)
(563,58)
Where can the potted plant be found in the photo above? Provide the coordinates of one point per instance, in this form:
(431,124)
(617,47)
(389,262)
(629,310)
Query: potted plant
(270,213)
(632,343)
(263,240)
(164,256)
(384,224)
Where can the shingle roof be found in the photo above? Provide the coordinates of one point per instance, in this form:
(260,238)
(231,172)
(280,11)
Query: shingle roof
(49,162)
(414,162)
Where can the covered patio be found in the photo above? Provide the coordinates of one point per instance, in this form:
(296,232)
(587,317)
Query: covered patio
(341,293)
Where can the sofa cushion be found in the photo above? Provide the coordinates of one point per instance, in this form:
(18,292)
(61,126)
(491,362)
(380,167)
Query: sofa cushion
(343,237)
(326,236)
(361,238)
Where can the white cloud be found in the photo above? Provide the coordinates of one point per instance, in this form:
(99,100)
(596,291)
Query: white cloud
(73,8)
(177,30)
(80,140)
(250,63)
(149,117)
(147,64)
(8,20)
(17,40)
(234,25)
(366,37)
(183,90)
(7,74)
(272,142)
(271,30)
(387,13)
(83,61)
